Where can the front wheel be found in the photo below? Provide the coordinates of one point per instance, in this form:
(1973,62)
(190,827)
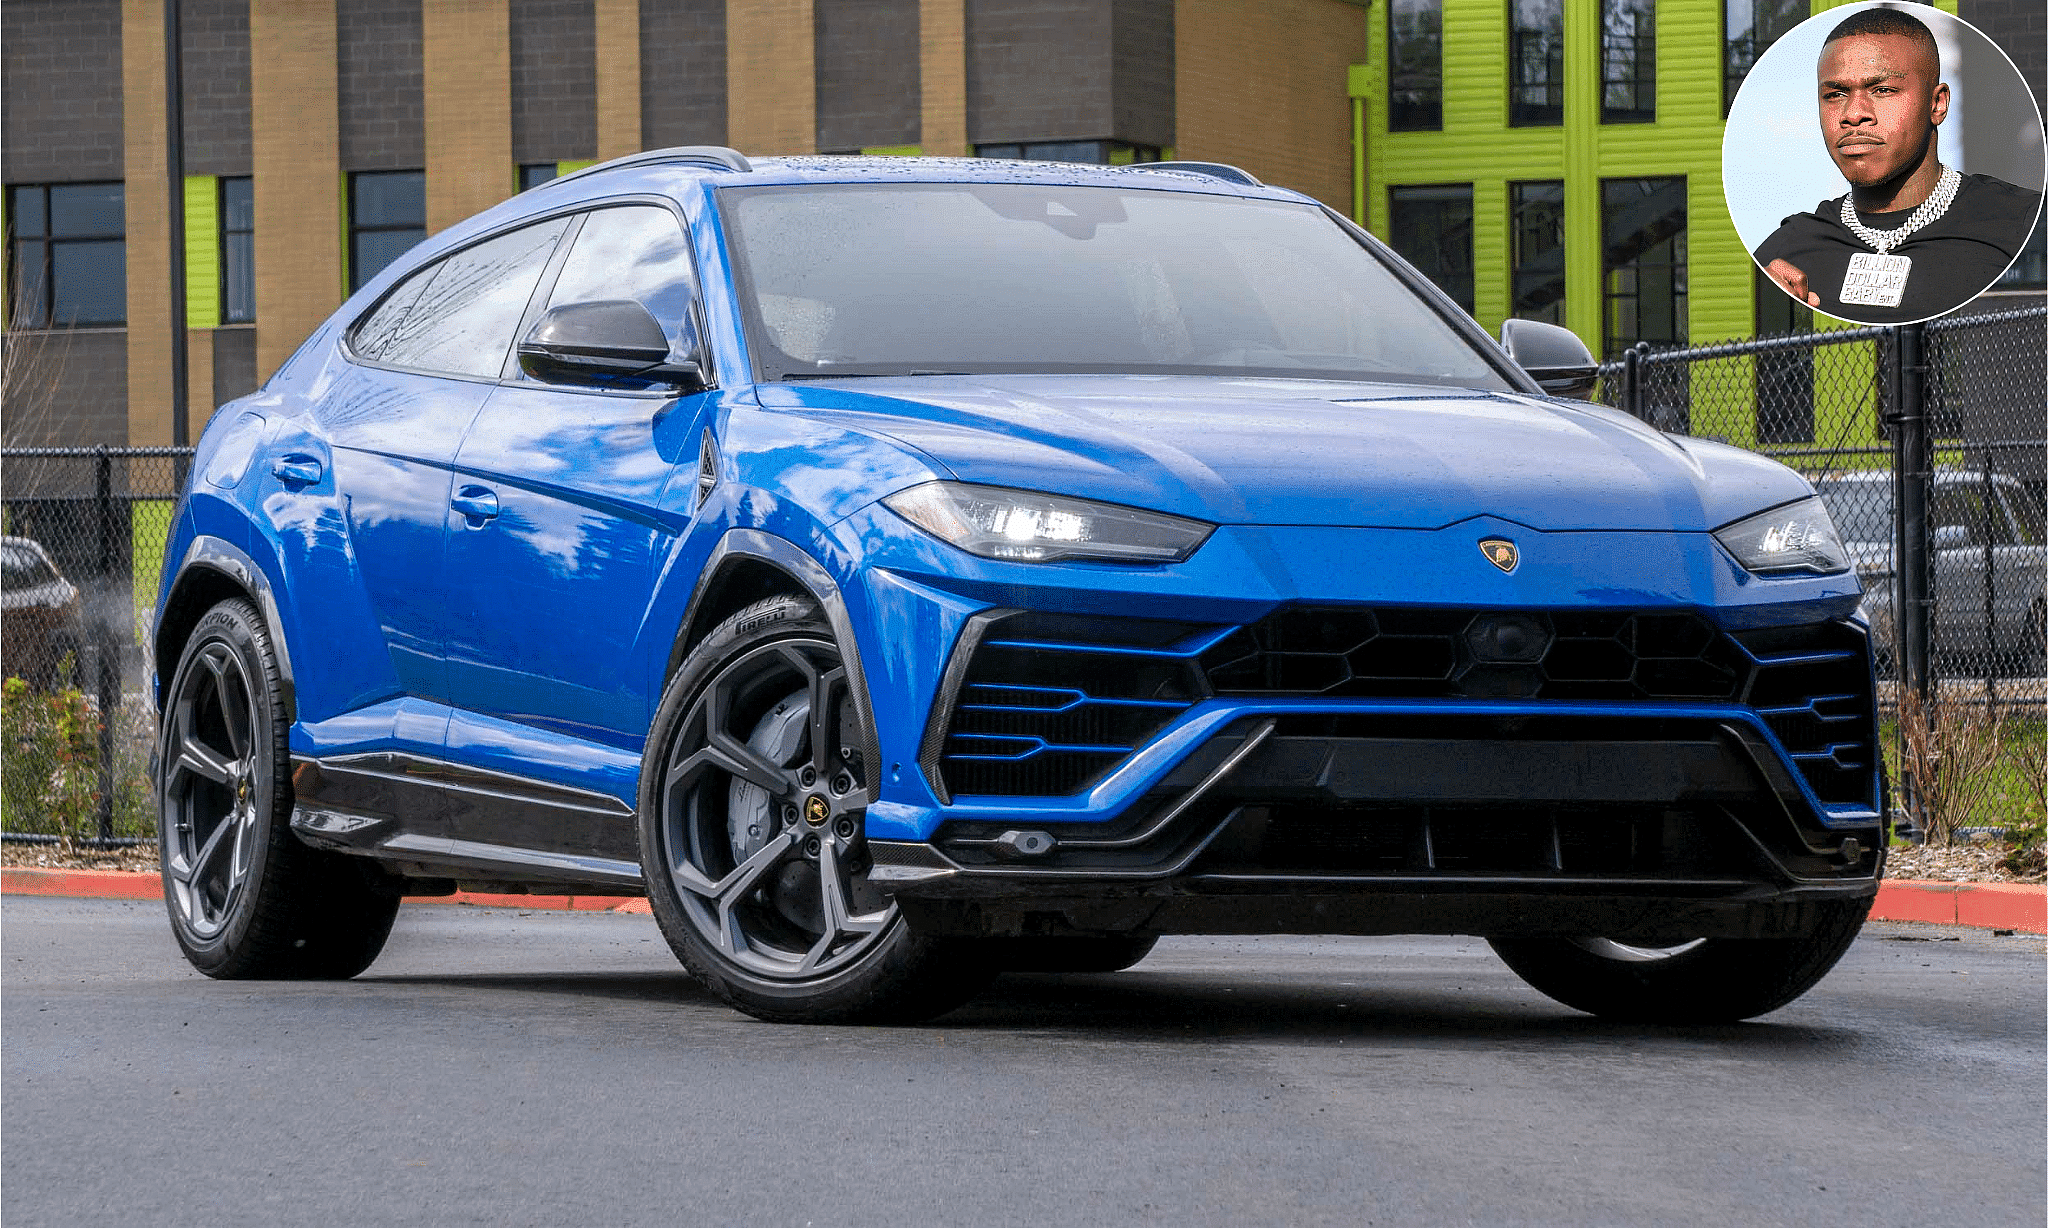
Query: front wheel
(753,797)
(1708,980)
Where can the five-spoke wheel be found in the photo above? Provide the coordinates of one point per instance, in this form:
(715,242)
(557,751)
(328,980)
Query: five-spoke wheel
(246,898)
(753,802)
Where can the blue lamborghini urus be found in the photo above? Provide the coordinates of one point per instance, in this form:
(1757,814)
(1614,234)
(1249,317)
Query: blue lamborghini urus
(902,570)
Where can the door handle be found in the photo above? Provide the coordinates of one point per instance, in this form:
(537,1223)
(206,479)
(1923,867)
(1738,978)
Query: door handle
(297,469)
(478,503)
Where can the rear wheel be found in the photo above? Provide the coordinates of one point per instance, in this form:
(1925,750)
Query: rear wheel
(753,800)
(1708,980)
(247,899)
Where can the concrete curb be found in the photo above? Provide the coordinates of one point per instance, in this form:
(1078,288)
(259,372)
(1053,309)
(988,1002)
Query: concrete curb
(143,885)
(2022,907)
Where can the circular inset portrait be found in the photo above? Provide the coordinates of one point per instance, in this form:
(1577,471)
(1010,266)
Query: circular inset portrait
(1918,139)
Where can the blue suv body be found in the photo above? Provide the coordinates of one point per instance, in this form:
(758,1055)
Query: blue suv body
(902,569)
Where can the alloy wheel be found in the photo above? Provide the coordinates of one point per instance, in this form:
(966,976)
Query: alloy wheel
(762,803)
(216,787)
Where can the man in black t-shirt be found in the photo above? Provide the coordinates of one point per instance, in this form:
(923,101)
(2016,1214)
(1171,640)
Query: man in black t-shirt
(1913,238)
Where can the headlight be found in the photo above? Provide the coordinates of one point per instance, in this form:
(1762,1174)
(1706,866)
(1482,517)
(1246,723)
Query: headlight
(1024,525)
(1796,537)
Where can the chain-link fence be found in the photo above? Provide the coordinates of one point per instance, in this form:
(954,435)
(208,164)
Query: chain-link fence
(1927,444)
(82,551)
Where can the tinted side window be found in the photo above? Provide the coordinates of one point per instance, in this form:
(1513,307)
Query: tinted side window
(375,333)
(462,321)
(638,252)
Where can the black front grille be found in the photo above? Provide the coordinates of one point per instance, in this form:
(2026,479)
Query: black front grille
(1049,704)
(1441,654)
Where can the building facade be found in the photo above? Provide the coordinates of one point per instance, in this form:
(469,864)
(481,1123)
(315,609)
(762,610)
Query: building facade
(324,137)
(1561,159)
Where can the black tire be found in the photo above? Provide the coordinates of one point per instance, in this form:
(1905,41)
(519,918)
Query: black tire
(247,899)
(1090,953)
(1711,980)
(753,793)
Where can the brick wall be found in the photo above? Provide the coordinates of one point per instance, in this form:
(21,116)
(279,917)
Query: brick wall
(216,69)
(942,77)
(382,82)
(1038,70)
(60,81)
(682,73)
(72,380)
(2020,28)
(1262,84)
(467,56)
(771,80)
(554,80)
(295,145)
(1141,56)
(867,73)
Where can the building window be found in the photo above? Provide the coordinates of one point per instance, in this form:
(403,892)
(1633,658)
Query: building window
(1432,229)
(1536,234)
(534,174)
(67,251)
(1784,378)
(1628,61)
(1105,153)
(387,214)
(1415,65)
(1535,62)
(237,250)
(1749,28)
(1642,230)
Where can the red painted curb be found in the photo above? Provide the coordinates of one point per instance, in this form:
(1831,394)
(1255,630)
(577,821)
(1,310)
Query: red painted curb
(2005,906)
(1994,906)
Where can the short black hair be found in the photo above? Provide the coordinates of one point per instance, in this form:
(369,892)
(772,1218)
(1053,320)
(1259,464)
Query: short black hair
(1886,21)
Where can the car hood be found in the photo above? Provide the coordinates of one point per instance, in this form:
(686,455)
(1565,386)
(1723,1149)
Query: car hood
(1289,452)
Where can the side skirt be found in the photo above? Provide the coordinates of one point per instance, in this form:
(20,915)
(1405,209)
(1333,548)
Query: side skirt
(398,809)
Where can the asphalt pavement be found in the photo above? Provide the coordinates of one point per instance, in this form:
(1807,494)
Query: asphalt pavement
(558,1068)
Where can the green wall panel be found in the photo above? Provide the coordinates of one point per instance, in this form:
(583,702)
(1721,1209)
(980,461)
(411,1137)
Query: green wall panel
(202,251)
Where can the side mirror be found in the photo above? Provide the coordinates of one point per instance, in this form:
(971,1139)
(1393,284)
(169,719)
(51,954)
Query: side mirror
(1554,357)
(607,343)
(1951,536)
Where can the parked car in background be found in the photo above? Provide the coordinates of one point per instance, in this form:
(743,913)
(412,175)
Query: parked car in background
(905,569)
(40,620)
(1990,565)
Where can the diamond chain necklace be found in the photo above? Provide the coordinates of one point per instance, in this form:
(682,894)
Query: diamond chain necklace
(1932,208)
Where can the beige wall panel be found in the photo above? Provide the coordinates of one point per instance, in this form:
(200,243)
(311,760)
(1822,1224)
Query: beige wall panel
(771,76)
(199,405)
(295,148)
(618,78)
(149,228)
(1262,84)
(942,76)
(467,60)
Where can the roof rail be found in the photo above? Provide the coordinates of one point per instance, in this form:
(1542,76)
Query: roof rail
(1215,170)
(703,155)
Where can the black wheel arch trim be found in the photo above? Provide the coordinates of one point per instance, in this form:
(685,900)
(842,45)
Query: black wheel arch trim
(755,545)
(218,556)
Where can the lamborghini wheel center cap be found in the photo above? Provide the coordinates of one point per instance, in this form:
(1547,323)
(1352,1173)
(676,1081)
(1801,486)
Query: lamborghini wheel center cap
(816,811)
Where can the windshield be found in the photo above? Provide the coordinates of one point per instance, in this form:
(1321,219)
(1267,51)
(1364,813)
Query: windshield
(859,279)
(1862,511)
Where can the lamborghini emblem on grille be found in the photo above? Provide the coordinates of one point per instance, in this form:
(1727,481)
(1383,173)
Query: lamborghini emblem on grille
(1500,552)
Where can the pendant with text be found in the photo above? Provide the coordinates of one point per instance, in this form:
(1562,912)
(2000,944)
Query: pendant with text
(1875,281)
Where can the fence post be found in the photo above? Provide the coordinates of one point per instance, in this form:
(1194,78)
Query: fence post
(1632,381)
(107,682)
(1913,467)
